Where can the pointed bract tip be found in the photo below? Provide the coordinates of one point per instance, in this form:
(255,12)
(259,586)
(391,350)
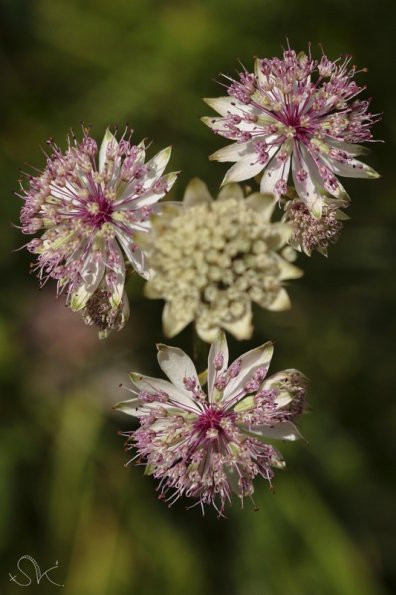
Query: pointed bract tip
(267,344)
(224,181)
(221,336)
(206,120)
(135,376)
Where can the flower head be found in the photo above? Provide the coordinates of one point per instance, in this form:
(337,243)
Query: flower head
(210,259)
(209,443)
(89,204)
(314,233)
(295,114)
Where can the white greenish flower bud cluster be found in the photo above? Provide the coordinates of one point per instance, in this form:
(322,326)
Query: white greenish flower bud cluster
(210,259)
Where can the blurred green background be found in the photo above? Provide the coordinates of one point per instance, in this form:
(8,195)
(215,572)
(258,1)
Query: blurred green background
(64,493)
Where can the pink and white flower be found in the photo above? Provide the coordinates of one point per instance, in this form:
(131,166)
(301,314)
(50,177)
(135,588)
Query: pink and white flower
(89,203)
(295,115)
(208,443)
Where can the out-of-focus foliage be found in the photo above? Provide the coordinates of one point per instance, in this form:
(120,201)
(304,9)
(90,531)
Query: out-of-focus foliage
(64,494)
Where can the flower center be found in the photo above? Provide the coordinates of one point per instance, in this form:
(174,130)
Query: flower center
(211,419)
(99,210)
(298,128)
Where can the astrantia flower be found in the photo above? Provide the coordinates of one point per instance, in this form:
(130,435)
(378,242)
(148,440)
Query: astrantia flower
(295,114)
(314,233)
(210,259)
(90,204)
(209,443)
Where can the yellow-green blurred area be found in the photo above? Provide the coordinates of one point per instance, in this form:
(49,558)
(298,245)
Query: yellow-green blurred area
(329,528)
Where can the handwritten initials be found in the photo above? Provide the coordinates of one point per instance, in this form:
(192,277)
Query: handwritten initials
(39,574)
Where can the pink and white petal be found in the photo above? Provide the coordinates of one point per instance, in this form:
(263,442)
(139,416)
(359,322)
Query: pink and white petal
(336,189)
(340,194)
(243,170)
(217,124)
(278,380)
(108,140)
(128,245)
(349,148)
(353,168)
(115,274)
(169,180)
(67,193)
(305,174)
(284,430)
(146,200)
(130,407)
(283,398)
(233,478)
(260,357)
(150,197)
(341,216)
(277,460)
(221,125)
(229,105)
(125,309)
(79,298)
(218,347)
(196,192)
(155,167)
(141,156)
(138,261)
(286,169)
(233,152)
(128,194)
(91,275)
(223,105)
(261,78)
(149,384)
(276,170)
(177,365)
(140,226)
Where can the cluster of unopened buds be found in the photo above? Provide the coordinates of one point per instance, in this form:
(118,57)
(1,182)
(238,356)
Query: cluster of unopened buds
(296,125)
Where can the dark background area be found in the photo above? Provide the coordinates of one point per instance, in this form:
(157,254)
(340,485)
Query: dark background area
(65,495)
